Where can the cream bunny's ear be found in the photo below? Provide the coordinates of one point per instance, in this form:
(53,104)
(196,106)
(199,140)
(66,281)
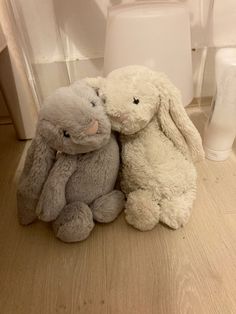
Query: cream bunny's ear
(94,82)
(177,126)
(39,160)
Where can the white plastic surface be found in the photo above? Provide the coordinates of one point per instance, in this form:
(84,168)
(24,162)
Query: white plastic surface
(217,155)
(154,34)
(220,130)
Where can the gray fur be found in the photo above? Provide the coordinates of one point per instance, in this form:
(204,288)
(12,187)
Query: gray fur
(102,206)
(70,180)
(74,223)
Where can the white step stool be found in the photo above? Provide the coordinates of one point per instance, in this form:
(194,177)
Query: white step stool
(153,34)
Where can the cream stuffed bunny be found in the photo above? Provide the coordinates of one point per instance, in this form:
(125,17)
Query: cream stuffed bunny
(159,145)
(71,166)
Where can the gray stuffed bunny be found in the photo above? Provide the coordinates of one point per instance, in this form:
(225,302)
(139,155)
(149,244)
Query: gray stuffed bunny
(71,166)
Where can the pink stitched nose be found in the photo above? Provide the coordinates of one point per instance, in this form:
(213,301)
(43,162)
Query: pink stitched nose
(93,128)
(123,117)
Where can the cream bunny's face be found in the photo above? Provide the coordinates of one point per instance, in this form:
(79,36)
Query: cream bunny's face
(130,100)
(134,94)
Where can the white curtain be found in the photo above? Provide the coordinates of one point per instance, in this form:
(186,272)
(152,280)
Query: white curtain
(24,109)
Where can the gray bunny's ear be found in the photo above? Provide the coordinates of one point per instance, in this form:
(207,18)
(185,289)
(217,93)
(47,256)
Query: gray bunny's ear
(39,160)
(176,124)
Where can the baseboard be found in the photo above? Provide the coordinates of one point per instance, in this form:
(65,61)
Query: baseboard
(5,120)
(200,101)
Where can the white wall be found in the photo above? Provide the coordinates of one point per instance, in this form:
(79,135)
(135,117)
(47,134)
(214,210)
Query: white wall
(14,76)
(74,31)
(3,108)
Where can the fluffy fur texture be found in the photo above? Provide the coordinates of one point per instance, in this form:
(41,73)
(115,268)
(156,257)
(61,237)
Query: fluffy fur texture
(159,145)
(71,166)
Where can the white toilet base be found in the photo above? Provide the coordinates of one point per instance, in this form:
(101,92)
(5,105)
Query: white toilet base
(220,130)
(216,155)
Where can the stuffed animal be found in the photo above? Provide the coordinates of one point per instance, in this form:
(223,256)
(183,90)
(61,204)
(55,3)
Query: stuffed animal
(71,166)
(159,145)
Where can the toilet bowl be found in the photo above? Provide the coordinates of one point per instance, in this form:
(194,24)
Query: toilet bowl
(154,34)
(220,130)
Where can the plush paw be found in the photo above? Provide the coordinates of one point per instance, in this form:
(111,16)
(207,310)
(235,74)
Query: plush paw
(175,212)
(107,207)
(74,223)
(175,222)
(141,211)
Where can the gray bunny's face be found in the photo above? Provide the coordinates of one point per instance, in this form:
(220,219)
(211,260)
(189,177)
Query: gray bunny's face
(73,120)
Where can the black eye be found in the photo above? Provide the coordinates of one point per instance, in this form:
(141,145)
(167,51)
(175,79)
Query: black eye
(66,134)
(97,93)
(93,103)
(135,101)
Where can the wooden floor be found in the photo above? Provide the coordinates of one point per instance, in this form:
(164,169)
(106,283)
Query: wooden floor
(118,269)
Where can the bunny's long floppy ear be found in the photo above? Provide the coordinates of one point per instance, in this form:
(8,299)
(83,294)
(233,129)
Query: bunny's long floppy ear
(39,160)
(94,82)
(176,124)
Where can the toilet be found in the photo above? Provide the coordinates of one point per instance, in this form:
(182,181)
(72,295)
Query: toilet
(220,130)
(154,34)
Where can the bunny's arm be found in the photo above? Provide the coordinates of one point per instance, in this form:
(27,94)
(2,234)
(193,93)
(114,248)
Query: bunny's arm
(137,157)
(52,199)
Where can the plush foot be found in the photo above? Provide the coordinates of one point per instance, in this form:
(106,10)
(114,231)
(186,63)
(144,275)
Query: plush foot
(141,211)
(175,212)
(107,207)
(74,223)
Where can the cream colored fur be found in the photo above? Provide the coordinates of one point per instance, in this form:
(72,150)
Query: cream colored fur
(159,145)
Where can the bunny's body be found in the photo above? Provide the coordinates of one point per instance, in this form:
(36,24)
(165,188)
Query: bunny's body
(95,174)
(71,166)
(159,145)
(155,188)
